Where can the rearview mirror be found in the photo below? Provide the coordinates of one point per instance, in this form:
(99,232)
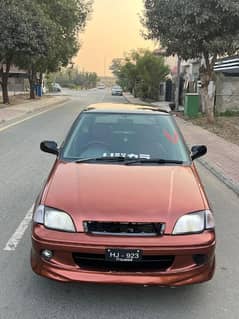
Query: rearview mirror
(198,151)
(49,147)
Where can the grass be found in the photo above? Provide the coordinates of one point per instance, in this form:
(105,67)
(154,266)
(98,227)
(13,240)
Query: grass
(229,113)
(225,126)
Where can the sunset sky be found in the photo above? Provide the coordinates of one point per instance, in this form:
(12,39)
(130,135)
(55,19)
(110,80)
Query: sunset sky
(114,28)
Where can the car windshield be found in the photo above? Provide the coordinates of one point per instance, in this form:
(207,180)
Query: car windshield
(130,136)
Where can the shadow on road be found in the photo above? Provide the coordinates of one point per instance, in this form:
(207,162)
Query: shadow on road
(102,301)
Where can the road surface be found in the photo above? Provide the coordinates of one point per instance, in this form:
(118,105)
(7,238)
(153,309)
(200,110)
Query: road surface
(24,295)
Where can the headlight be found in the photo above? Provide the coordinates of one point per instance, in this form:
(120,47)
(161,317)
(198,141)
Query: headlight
(194,223)
(53,219)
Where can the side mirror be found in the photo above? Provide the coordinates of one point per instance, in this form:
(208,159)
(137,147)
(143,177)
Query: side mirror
(198,151)
(49,147)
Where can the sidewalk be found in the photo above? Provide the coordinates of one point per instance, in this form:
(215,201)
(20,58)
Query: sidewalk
(222,158)
(133,100)
(10,113)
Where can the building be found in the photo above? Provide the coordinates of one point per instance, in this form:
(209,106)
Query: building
(227,84)
(227,81)
(18,80)
(190,71)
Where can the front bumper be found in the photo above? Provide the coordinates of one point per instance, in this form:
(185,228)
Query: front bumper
(183,271)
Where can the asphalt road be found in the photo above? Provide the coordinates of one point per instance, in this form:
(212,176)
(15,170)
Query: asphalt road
(23,295)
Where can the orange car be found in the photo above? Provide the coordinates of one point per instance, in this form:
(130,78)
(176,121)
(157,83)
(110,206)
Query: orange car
(123,203)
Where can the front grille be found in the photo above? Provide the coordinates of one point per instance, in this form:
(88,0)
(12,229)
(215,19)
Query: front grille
(97,262)
(124,229)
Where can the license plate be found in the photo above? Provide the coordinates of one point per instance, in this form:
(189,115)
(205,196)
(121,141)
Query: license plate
(123,255)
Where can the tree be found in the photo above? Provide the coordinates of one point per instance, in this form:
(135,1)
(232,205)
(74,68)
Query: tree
(74,78)
(203,29)
(140,72)
(39,36)
(152,71)
(67,18)
(23,32)
(128,76)
(116,66)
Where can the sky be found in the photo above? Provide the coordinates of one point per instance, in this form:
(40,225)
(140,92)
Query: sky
(114,28)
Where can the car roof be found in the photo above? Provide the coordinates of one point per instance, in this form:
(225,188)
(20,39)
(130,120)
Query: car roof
(123,108)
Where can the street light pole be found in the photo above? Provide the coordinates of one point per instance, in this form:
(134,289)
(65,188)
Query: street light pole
(177,93)
(104,66)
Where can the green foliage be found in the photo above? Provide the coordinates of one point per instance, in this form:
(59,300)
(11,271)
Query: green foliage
(203,29)
(23,30)
(152,71)
(140,73)
(116,66)
(128,76)
(68,18)
(39,35)
(229,113)
(72,78)
(24,35)
(193,28)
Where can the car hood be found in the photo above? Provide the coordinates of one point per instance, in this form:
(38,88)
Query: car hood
(102,192)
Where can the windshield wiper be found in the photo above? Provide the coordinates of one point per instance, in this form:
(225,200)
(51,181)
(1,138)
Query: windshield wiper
(127,161)
(153,161)
(101,159)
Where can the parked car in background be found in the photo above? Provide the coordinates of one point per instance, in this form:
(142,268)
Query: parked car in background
(117,90)
(44,89)
(55,87)
(124,203)
(101,86)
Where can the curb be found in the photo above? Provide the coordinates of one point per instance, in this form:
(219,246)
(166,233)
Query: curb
(63,100)
(219,175)
(37,110)
(225,180)
(129,101)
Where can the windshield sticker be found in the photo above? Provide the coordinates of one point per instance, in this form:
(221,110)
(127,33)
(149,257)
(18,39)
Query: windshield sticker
(172,138)
(130,155)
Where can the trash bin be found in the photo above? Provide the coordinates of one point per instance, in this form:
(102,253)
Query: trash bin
(191,105)
(39,90)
